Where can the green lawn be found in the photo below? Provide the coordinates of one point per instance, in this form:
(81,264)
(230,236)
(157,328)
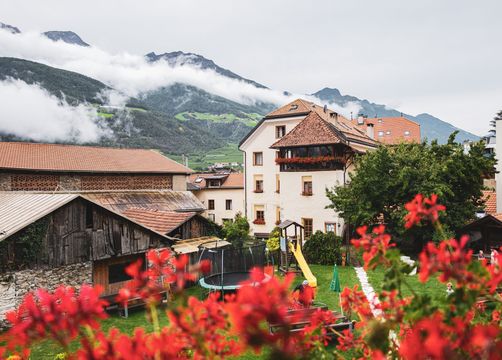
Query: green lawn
(432,287)
(47,350)
(247,119)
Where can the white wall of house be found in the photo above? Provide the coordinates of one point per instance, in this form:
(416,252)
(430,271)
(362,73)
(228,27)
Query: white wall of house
(292,204)
(498,156)
(220,197)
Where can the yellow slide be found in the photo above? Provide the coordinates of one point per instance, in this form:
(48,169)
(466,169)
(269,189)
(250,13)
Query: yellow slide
(307,273)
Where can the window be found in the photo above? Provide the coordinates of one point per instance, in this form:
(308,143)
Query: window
(380,121)
(214,183)
(198,180)
(116,273)
(406,133)
(388,132)
(258,183)
(228,204)
(277,183)
(210,204)
(280,131)
(307,185)
(89,218)
(380,133)
(211,217)
(259,211)
(330,227)
(277,215)
(258,158)
(224,221)
(293,107)
(308,227)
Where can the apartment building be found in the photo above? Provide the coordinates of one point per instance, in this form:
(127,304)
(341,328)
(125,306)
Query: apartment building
(291,157)
(221,193)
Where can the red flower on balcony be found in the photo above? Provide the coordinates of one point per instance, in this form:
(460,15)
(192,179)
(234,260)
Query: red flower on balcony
(307,193)
(259,222)
(308,160)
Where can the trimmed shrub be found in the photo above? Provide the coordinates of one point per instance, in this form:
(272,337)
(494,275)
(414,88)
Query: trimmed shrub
(323,249)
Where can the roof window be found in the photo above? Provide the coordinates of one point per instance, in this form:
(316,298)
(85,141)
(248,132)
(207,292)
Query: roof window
(406,133)
(293,107)
(380,133)
(388,132)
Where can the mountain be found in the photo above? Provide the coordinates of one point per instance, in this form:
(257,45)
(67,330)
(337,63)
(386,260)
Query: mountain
(430,126)
(179,58)
(67,36)
(131,126)
(74,87)
(10,28)
(179,98)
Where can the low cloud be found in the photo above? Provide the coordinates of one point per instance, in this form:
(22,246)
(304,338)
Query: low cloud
(132,74)
(30,112)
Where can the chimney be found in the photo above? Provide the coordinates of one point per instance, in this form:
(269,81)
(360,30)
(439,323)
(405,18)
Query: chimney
(370,131)
(360,120)
(325,108)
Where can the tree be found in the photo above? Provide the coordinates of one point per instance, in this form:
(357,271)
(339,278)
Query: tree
(237,231)
(385,179)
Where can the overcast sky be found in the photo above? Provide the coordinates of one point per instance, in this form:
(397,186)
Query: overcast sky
(441,57)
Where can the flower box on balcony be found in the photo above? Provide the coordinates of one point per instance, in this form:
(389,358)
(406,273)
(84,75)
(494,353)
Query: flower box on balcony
(307,193)
(308,160)
(258,191)
(259,222)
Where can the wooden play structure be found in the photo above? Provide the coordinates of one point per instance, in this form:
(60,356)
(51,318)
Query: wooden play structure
(291,259)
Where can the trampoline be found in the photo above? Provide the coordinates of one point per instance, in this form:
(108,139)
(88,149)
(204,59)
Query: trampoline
(230,266)
(226,282)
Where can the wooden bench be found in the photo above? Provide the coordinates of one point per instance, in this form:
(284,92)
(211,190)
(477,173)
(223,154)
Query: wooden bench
(341,321)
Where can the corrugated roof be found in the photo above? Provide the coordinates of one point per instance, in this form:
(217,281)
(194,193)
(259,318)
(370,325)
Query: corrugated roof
(161,221)
(192,245)
(18,210)
(71,158)
(168,200)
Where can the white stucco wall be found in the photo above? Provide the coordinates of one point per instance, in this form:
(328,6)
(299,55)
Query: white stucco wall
(293,205)
(498,156)
(220,196)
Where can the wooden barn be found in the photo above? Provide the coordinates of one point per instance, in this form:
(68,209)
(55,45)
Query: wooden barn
(53,231)
(484,233)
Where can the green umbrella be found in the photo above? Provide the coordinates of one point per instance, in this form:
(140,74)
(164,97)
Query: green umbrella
(335,286)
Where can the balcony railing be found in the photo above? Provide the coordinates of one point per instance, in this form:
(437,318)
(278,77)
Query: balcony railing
(330,162)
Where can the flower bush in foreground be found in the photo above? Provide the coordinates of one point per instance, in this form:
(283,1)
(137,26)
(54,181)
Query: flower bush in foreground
(459,326)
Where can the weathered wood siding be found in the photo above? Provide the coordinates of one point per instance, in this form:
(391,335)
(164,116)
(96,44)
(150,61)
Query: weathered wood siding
(194,228)
(70,241)
(100,272)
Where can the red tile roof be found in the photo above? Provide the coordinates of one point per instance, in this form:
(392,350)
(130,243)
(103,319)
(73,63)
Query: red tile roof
(490,198)
(161,221)
(345,128)
(70,158)
(230,180)
(312,130)
(393,130)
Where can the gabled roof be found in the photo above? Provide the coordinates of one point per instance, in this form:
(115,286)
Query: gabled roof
(229,180)
(86,159)
(18,210)
(300,107)
(490,199)
(169,200)
(312,130)
(393,130)
(294,108)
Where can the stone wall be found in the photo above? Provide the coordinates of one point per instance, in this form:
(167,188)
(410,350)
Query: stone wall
(15,285)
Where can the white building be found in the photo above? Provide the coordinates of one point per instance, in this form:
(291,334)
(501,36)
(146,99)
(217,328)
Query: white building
(221,193)
(291,157)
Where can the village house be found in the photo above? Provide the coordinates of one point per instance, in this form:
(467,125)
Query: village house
(222,194)
(391,130)
(291,157)
(75,214)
